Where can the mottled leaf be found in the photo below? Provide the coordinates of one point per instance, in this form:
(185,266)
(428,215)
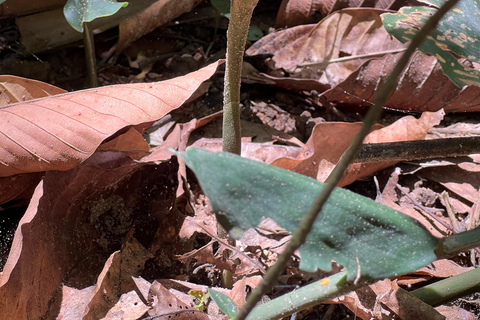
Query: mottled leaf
(370,240)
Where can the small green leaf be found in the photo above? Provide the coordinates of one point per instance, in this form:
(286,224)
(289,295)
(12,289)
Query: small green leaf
(457,32)
(224,303)
(369,239)
(79,11)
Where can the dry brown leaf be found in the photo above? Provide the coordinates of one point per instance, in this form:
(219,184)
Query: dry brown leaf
(358,32)
(452,312)
(129,306)
(463,183)
(225,255)
(131,143)
(166,305)
(406,306)
(239,290)
(15,89)
(74,302)
(156,15)
(389,198)
(75,220)
(385,300)
(20,186)
(422,87)
(59,132)
(295,12)
(116,280)
(330,139)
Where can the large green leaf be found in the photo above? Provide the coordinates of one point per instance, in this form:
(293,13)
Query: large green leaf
(457,32)
(355,231)
(79,11)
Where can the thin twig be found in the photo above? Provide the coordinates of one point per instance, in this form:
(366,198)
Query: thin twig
(343,59)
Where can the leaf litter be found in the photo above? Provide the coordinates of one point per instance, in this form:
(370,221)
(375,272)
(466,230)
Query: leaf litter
(99,232)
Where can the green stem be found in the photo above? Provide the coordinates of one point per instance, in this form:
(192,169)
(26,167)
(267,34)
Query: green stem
(300,235)
(303,298)
(458,242)
(92,80)
(240,14)
(449,289)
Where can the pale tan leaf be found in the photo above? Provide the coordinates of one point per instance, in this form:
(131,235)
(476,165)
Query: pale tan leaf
(59,132)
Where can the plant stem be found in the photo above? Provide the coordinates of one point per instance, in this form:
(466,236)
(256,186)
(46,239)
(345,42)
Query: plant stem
(418,149)
(240,14)
(458,242)
(371,118)
(449,289)
(302,298)
(92,80)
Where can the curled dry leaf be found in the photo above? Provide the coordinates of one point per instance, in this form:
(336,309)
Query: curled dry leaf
(330,139)
(296,12)
(310,51)
(59,132)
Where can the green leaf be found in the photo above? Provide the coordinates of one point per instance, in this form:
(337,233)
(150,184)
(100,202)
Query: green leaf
(457,32)
(358,233)
(224,303)
(79,11)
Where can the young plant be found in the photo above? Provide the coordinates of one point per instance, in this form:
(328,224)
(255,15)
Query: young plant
(370,240)
(78,14)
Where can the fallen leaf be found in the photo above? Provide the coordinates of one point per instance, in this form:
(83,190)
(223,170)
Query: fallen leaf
(74,302)
(295,12)
(310,51)
(166,306)
(17,89)
(240,290)
(129,306)
(330,139)
(116,280)
(422,87)
(75,220)
(59,132)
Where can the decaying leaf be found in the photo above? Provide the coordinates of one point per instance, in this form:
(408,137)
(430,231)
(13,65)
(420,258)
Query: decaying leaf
(311,51)
(329,140)
(74,223)
(296,12)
